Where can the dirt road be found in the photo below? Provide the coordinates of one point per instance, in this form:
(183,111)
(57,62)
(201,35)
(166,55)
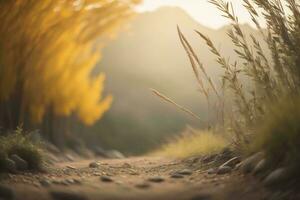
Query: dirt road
(143,178)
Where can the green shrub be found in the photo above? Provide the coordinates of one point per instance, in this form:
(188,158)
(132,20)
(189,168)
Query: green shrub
(279,136)
(19,143)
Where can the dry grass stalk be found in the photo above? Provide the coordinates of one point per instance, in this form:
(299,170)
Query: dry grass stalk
(167,99)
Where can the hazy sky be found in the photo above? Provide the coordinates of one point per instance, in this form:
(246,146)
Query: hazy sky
(201,10)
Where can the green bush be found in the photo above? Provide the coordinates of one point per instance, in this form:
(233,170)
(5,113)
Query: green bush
(279,136)
(19,143)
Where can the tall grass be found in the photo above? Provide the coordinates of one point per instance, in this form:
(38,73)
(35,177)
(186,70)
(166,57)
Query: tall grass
(273,72)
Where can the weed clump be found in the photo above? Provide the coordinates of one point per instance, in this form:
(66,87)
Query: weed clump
(20,143)
(193,143)
(279,135)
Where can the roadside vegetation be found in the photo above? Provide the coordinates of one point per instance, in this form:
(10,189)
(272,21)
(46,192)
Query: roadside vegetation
(48,52)
(193,143)
(19,152)
(279,135)
(256,100)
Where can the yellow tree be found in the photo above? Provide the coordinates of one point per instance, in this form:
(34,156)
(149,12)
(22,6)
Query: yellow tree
(48,50)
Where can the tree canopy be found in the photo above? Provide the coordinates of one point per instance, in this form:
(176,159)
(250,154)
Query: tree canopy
(47,53)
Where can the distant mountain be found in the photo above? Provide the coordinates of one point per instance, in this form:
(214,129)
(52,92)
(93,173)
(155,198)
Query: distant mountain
(150,55)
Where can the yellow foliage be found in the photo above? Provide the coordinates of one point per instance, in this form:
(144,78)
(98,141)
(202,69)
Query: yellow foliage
(193,143)
(48,51)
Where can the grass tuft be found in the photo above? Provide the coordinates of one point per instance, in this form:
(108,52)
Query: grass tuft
(279,136)
(20,144)
(193,143)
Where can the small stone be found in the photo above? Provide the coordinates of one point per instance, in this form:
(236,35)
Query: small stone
(94,165)
(65,195)
(276,177)
(97,174)
(70,181)
(77,181)
(260,167)
(21,164)
(106,179)
(232,162)
(45,183)
(126,165)
(142,185)
(156,179)
(177,176)
(64,182)
(6,193)
(185,172)
(36,185)
(212,171)
(249,164)
(224,170)
(10,165)
(70,167)
(134,173)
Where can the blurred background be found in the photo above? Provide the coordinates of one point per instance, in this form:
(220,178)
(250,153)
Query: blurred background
(148,54)
(144,53)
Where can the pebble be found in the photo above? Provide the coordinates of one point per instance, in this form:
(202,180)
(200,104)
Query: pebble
(70,167)
(6,193)
(70,181)
(106,179)
(224,170)
(185,172)
(126,165)
(260,167)
(21,164)
(76,181)
(134,173)
(94,165)
(45,183)
(177,176)
(276,177)
(65,195)
(64,182)
(156,179)
(212,171)
(57,182)
(249,164)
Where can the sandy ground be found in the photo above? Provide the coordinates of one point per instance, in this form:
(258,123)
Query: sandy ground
(130,182)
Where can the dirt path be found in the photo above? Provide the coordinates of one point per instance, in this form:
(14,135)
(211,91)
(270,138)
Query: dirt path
(128,179)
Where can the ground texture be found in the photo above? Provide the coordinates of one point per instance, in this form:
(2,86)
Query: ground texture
(142,178)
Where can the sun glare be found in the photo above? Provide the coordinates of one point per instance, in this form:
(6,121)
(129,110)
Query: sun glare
(201,10)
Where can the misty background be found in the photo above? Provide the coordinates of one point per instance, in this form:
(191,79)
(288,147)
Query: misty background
(148,54)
